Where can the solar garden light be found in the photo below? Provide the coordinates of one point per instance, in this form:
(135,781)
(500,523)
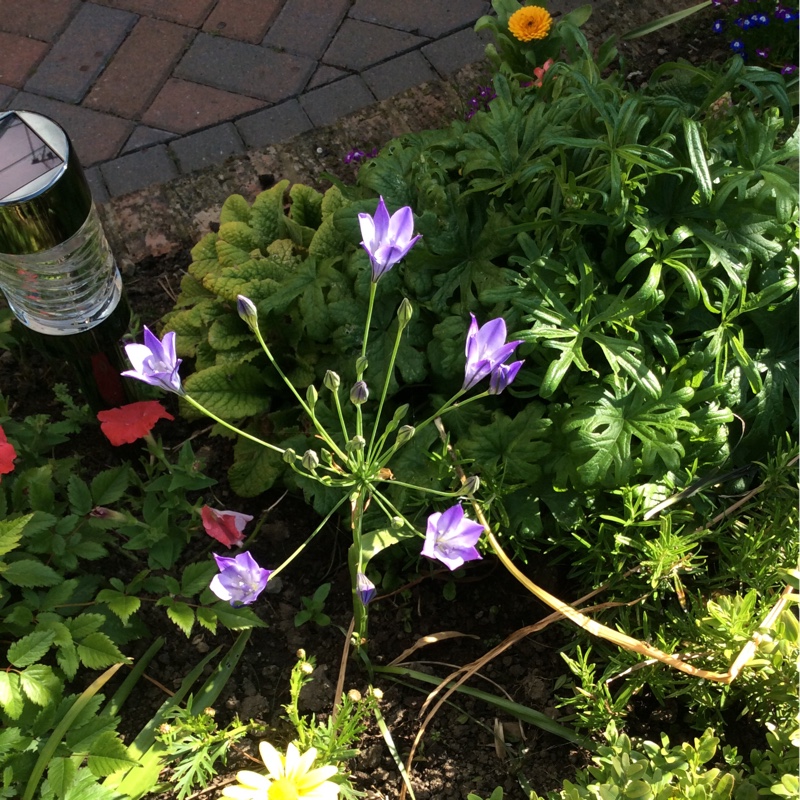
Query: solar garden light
(56,269)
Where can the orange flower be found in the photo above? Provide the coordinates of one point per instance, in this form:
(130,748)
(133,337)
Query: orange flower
(540,71)
(131,422)
(530,22)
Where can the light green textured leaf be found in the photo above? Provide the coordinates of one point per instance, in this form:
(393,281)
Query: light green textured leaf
(97,651)
(123,605)
(229,255)
(267,213)
(240,235)
(107,754)
(29,649)
(10,695)
(234,209)
(207,617)
(67,658)
(327,240)
(306,208)
(237,619)
(84,624)
(180,613)
(86,787)
(28,573)
(60,774)
(227,332)
(229,394)
(11,533)
(255,469)
(40,684)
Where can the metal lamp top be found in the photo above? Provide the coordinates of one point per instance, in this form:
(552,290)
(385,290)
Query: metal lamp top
(44,197)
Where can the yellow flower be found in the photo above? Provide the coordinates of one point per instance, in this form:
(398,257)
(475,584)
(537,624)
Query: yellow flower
(288,777)
(530,22)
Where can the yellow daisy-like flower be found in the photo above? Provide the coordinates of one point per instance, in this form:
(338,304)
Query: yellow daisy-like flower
(530,22)
(288,777)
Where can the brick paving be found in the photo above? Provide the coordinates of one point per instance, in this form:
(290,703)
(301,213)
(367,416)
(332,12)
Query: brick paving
(150,90)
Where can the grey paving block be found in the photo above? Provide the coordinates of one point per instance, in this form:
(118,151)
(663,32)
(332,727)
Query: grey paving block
(208,147)
(135,171)
(455,51)
(421,16)
(6,95)
(97,185)
(358,45)
(306,27)
(325,74)
(245,69)
(328,103)
(144,136)
(276,124)
(81,52)
(399,74)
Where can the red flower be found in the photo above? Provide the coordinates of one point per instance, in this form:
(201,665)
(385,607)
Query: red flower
(539,72)
(134,421)
(224,526)
(7,454)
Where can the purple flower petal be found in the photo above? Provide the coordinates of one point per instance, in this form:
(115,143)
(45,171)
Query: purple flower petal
(486,349)
(365,588)
(240,581)
(155,362)
(387,239)
(451,538)
(503,376)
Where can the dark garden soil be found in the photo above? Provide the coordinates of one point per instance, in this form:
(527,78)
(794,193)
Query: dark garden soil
(460,752)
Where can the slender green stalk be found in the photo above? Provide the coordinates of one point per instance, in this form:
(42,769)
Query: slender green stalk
(372,290)
(338,405)
(452,405)
(387,380)
(423,489)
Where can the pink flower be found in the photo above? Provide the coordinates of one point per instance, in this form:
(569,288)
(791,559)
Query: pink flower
(134,421)
(7,454)
(539,72)
(224,526)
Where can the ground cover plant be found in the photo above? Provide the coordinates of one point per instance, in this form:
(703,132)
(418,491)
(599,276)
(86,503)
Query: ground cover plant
(634,251)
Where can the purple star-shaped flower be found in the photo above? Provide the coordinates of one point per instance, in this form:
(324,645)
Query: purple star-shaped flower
(155,362)
(240,580)
(487,350)
(387,239)
(451,538)
(365,588)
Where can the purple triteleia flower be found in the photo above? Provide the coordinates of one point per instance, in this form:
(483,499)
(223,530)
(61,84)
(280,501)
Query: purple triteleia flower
(486,350)
(387,239)
(155,362)
(365,588)
(240,580)
(503,376)
(451,538)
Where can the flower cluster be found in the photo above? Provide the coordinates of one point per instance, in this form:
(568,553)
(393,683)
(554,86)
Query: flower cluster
(529,23)
(763,31)
(356,156)
(480,102)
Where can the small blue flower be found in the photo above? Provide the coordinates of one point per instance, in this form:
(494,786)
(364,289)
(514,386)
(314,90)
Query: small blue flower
(737,45)
(763,19)
(789,69)
(718,26)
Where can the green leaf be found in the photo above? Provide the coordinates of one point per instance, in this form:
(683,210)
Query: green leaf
(97,651)
(29,649)
(11,532)
(107,754)
(180,613)
(196,577)
(230,394)
(123,605)
(27,573)
(255,468)
(84,624)
(234,209)
(10,695)
(207,617)
(110,485)
(60,775)
(237,619)
(40,684)
(697,156)
(267,213)
(80,497)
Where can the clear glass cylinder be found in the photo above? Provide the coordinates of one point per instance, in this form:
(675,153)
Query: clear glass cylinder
(68,289)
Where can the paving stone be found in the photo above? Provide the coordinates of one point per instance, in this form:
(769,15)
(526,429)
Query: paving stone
(18,57)
(421,16)
(6,95)
(81,52)
(132,172)
(244,68)
(325,74)
(358,45)
(455,51)
(245,20)
(97,185)
(185,12)
(276,124)
(96,137)
(143,136)
(208,147)
(183,107)
(41,19)
(140,68)
(399,74)
(329,103)
(306,27)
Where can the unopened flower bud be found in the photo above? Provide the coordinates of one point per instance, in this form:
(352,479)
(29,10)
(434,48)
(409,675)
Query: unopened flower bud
(247,310)
(361,365)
(306,668)
(209,712)
(164,728)
(310,460)
(301,654)
(311,396)
(400,413)
(289,455)
(356,444)
(331,381)
(405,434)
(327,456)
(359,393)
(397,523)
(354,695)
(101,512)
(404,313)
(472,485)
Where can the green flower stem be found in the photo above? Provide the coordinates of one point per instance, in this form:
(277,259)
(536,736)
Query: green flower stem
(192,402)
(416,488)
(322,432)
(389,371)
(357,503)
(341,416)
(302,547)
(372,290)
(451,405)
(388,508)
